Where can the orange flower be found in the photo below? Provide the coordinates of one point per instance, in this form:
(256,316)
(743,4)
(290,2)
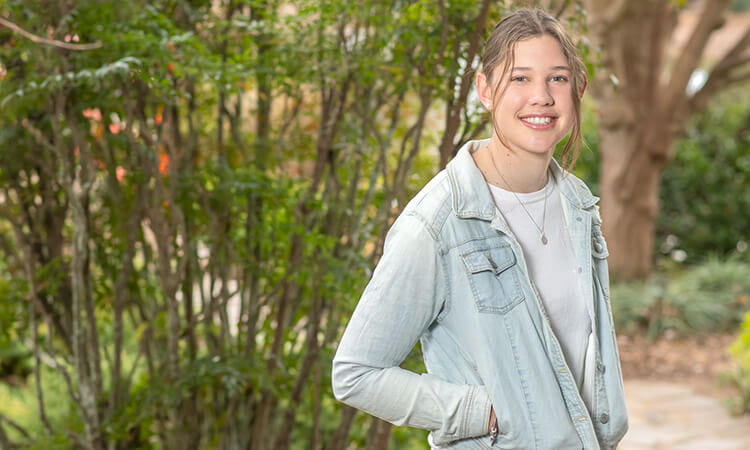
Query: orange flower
(93,114)
(163,163)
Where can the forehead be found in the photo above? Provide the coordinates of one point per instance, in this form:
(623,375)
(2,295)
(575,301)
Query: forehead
(538,52)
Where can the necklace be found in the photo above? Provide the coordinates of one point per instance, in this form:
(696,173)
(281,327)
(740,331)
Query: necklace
(543,236)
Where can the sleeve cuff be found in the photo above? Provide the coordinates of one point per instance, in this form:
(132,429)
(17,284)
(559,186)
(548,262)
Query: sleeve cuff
(477,413)
(474,419)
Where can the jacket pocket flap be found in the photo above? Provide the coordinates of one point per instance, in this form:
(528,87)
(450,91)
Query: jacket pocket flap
(493,260)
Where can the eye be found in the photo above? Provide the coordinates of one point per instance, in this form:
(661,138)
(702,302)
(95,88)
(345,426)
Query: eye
(559,78)
(520,78)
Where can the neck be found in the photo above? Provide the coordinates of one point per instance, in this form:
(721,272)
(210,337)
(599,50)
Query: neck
(514,171)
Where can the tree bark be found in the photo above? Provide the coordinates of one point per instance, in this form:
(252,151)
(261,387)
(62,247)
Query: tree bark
(630,202)
(379,436)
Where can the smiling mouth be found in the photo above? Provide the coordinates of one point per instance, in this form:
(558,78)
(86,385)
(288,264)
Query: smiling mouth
(536,120)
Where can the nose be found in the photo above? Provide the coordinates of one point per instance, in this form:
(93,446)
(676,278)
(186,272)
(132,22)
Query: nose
(541,94)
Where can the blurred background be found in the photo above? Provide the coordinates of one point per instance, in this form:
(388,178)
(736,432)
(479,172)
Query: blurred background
(193,195)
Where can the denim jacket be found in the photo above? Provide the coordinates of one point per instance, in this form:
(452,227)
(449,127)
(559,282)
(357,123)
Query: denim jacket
(453,276)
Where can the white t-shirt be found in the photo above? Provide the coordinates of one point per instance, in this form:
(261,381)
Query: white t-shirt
(552,267)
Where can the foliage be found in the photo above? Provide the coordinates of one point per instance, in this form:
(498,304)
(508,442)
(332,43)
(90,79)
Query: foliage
(188,214)
(706,298)
(20,401)
(698,218)
(740,350)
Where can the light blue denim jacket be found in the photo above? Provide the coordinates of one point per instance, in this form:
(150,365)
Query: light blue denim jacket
(453,276)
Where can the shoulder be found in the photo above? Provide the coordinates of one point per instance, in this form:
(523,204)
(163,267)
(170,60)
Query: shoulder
(431,205)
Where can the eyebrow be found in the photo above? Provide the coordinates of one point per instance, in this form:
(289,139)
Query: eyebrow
(552,68)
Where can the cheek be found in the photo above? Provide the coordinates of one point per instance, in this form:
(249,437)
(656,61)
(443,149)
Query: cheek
(565,100)
(512,101)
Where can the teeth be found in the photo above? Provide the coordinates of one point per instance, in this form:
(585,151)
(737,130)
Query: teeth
(538,120)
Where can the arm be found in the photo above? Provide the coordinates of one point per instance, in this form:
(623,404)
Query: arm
(403,298)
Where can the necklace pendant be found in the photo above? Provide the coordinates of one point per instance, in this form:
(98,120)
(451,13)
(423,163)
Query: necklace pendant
(544,239)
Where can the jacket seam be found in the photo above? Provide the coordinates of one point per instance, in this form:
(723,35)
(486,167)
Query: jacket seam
(441,252)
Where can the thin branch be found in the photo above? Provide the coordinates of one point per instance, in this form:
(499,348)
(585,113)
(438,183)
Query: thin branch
(734,56)
(38,135)
(14,425)
(37,372)
(709,19)
(717,80)
(53,42)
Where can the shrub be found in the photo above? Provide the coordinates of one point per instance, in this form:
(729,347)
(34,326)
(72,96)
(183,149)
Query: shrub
(706,298)
(697,216)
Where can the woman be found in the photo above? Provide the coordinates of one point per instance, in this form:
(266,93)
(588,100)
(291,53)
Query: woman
(498,267)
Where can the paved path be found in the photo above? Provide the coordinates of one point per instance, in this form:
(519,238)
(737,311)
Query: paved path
(666,415)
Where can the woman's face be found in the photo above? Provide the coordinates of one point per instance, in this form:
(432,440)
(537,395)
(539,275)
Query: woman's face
(536,109)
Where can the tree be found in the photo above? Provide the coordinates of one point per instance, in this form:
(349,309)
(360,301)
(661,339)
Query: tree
(193,208)
(644,103)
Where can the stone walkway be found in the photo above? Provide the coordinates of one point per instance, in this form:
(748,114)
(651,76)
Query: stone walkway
(665,415)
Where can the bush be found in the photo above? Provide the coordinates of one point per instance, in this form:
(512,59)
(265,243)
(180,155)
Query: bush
(706,298)
(704,192)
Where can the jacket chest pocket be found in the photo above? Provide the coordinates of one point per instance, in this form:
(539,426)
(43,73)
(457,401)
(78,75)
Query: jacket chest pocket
(493,278)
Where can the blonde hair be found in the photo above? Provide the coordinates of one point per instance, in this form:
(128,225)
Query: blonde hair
(499,52)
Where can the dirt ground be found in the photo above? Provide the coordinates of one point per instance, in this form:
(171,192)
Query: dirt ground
(700,362)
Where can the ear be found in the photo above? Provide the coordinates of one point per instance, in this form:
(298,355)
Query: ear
(484,90)
(582,86)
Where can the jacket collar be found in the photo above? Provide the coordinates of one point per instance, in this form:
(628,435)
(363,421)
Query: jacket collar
(472,198)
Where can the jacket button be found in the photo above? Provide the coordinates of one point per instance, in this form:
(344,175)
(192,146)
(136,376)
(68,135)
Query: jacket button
(604,418)
(598,247)
(602,368)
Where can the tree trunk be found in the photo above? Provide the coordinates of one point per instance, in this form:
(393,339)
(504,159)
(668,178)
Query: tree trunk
(379,436)
(630,176)
(339,439)
(643,106)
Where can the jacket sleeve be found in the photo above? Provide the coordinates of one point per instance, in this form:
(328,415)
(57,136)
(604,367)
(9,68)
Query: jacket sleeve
(401,301)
